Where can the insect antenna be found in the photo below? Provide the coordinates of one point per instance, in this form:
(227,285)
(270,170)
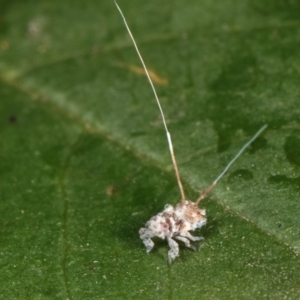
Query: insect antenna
(159,106)
(206,192)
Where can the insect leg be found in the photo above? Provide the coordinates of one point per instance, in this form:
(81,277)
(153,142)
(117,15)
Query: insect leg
(186,242)
(194,238)
(146,235)
(174,250)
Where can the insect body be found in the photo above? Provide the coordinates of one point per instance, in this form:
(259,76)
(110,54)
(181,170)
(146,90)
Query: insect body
(176,222)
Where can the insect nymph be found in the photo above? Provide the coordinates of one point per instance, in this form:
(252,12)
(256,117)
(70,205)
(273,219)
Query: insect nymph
(176,222)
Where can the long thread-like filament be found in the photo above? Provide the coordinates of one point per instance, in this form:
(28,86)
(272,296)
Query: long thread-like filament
(205,193)
(159,106)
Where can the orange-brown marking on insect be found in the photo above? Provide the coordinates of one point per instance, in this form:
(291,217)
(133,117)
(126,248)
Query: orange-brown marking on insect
(193,213)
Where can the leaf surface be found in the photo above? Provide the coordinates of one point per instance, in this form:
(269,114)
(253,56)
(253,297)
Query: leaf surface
(85,163)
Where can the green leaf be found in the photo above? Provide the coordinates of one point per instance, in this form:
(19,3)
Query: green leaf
(85,162)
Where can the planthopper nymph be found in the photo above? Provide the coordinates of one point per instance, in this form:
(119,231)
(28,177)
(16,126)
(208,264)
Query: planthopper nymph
(174,223)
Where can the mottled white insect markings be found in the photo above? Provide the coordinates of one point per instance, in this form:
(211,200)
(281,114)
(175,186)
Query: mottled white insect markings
(176,222)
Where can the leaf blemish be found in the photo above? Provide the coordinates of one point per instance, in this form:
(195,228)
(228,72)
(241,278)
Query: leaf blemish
(140,71)
(110,190)
(12,119)
(154,77)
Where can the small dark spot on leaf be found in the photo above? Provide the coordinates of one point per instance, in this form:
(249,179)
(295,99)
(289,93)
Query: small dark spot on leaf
(12,119)
(284,180)
(278,179)
(291,148)
(89,266)
(242,174)
(279,225)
